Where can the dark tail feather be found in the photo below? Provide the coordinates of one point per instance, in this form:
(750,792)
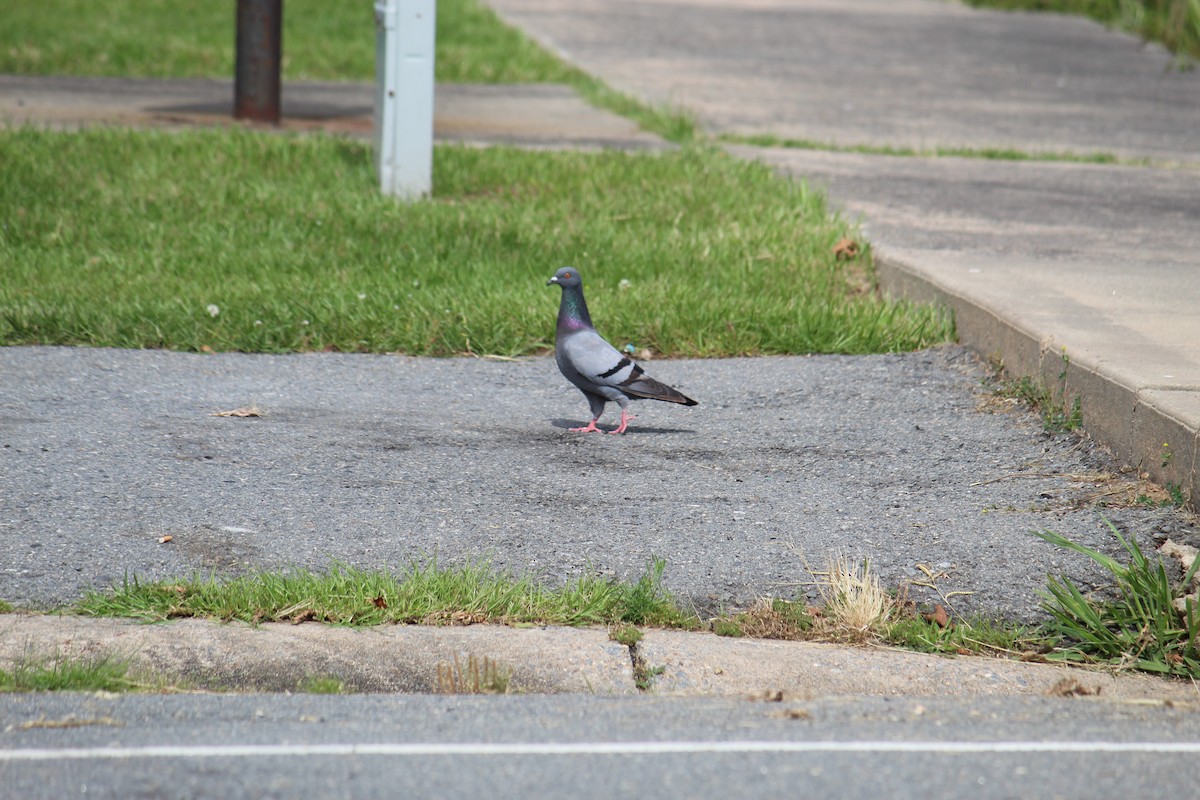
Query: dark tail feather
(647,387)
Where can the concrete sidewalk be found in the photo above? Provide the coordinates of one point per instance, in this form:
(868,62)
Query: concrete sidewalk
(532,115)
(1038,259)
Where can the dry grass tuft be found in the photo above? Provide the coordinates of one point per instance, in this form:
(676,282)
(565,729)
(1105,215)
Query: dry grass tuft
(477,676)
(764,621)
(856,608)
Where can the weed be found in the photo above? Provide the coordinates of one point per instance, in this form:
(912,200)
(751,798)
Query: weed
(725,626)
(648,603)
(5,608)
(1141,627)
(1170,496)
(1056,418)
(1167,455)
(68,675)
(323,684)
(769,618)
(644,677)
(426,593)
(477,676)
(976,636)
(627,635)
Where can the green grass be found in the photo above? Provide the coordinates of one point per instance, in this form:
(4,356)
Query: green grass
(986,153)
(977,636)
(625,634)
(5,608)
(183,39)
(68,675)
(426,593)
(323,684)
(126,238)
(1138,626)
(1173,23)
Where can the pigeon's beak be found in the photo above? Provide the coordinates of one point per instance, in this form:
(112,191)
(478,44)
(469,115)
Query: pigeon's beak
(552,280)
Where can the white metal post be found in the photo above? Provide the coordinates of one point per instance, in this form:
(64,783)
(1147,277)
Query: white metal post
(404,38)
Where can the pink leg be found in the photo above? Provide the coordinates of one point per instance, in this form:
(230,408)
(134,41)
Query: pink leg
(591,428)
(625,417)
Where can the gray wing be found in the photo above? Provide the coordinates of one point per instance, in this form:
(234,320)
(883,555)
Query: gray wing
(597,361)
(610,373)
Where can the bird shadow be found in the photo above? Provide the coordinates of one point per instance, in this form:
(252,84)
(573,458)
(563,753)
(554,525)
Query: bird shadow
(566,424)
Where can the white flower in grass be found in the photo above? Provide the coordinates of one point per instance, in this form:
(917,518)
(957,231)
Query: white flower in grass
(213,309)
(624,284)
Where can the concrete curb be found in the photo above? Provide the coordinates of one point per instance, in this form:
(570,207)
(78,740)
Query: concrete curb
(545,660)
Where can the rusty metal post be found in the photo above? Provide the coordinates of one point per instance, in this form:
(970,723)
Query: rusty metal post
(259,59)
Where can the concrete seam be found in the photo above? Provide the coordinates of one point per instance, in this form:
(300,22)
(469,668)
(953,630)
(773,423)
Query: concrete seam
(643,676)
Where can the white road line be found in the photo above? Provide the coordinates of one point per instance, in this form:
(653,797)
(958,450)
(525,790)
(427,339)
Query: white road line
(583,748)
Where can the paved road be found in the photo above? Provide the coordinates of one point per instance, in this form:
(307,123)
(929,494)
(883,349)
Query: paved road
(541,746)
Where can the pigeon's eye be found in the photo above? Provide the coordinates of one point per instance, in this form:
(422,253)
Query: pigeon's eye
(567,275)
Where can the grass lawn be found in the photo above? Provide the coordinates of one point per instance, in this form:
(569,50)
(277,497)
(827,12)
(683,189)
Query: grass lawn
(236,240)
(1173,23)
(184,39)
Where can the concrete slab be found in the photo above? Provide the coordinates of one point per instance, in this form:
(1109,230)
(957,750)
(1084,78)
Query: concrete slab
(905,73)
(540,115)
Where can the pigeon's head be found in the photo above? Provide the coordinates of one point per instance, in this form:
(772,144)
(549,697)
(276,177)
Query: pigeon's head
(566,277)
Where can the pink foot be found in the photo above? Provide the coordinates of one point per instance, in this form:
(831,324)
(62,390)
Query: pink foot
(625,417)
(591,428)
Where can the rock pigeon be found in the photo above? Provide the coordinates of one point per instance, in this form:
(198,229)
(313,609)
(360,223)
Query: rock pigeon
(597,368)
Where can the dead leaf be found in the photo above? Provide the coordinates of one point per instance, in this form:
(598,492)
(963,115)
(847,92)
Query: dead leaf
(455,618)
(307,615)
(206,349)
(792,713)
(845,249)
(70,721)
(1070,687)
(164,539)
(939,616)
(379,602)
(250,411)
